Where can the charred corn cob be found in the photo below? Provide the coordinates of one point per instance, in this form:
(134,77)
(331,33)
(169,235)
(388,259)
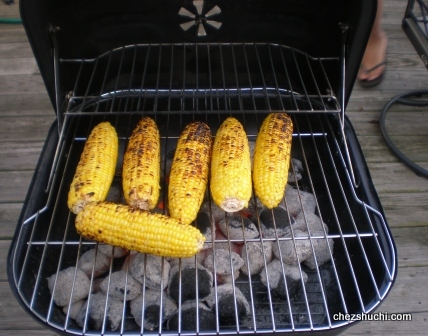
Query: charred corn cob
(138,230)
(189,172)
(141,166)
(272,158)
(95,170)
(231,167)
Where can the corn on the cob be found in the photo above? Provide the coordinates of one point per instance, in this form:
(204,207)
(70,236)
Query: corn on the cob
(272,158)
(188,178)
(138,230)
(95,170)
(141,166)
(231,167)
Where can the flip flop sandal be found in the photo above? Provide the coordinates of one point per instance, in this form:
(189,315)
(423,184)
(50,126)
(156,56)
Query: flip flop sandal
(375,81)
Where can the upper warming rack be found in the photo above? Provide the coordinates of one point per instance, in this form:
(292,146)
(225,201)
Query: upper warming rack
(200,78)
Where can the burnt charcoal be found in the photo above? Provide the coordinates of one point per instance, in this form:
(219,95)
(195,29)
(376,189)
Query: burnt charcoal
(168,163)
(205,224)
(216,212)
(192,287)
(75,308)
(238,228)
(322,248)
(205,317)
(95,261)
(293,277)
(151,300)
(223,261)
(222,242)
(275,222)
(295,171)
(198,259)
(61,286)
(150,270)
(314,296)
(228,297)
(262,304)
(292,251)
(119,282)
(331,287)
(257,254)
(310,222)
(255,206)
(115,191)
(112,251)
(299,200)
(97,303)
(96,284)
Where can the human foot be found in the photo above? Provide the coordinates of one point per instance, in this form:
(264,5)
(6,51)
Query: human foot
(373,63)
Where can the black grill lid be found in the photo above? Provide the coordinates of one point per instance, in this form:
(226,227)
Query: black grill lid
(86,29)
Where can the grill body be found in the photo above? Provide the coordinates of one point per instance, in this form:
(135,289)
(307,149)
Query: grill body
(206,60)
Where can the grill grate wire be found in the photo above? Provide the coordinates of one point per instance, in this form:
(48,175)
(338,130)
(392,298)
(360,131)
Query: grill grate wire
(314,320)
(200,78)
(210,95)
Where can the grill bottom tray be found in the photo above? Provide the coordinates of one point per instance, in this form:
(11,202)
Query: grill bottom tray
(356,280)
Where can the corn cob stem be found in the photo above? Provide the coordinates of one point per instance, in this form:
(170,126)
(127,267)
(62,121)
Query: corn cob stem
(138,230)
(231,167)
(188,178)
(95,170)
(272,158)
(141,166)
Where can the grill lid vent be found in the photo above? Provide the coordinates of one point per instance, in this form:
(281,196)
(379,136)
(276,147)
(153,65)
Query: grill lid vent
(204,16)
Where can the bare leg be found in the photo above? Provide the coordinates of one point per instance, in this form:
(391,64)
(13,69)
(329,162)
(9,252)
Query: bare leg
(375,50)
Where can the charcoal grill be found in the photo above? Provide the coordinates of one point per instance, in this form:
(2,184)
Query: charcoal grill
(207,60)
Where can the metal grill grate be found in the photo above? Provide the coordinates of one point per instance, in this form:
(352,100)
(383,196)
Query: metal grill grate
(357,278)
(200,78)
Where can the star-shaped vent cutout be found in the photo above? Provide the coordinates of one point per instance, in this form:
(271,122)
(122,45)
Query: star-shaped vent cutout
(201,19)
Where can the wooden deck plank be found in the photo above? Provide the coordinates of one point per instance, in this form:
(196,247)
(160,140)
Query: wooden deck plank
(413,247)
(11,10)
(403,195)
(30,104)
(18,66)
(405,209)
(14,185)
(413,146)
(396,177)
(9,214)
(22,84)
(397,123)
(15,50)
(12,33)
(12,314)
(391,328)
(25,128)
(19,155)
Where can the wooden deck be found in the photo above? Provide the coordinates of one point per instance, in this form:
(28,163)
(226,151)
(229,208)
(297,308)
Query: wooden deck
(26,114)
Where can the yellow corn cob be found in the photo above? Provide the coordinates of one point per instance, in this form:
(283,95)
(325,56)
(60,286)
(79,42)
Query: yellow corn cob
(231,167)
(141,166)
(272,158)
(138,230)
(95,170)
(188,178)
